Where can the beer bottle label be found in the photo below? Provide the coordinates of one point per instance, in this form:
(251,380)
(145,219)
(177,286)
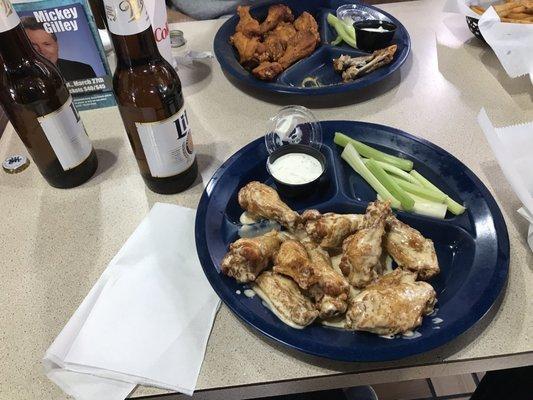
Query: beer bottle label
(167,144)
(66,134)
(8,17)
(126,17)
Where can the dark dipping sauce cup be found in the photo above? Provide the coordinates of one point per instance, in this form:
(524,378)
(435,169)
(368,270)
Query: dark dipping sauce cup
(371,40)
(302,189)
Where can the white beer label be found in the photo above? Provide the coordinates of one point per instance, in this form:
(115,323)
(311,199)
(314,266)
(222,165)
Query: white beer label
(126,17)
(167,144)
(8,17)
(66,134)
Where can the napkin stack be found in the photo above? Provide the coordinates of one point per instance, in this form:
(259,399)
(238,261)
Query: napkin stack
(513,147)
(512,43)
(146,320)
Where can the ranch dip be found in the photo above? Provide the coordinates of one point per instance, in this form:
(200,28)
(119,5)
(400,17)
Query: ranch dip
(296,168)
(378,29)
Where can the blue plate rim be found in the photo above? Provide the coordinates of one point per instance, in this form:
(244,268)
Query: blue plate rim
(323,90)
(483,304)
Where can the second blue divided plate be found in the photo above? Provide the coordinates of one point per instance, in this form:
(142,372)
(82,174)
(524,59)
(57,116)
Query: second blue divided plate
(319,63)
(473,249)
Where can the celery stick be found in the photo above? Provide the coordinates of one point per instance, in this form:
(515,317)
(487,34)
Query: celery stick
(342,30)
(406,201)
(337,41)
(352,157)
(366,151)
(420,191)
(454,207)
(400,173)
(425,207)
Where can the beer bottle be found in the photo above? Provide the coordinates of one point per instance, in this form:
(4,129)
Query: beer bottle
(40,107)
(148,93)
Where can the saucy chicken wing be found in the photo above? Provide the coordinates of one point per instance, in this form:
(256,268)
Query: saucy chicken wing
(248,257)
(394,303)
(286,298)
(410,249)
(263,201)
(276,40)
(306,22)
(276,14)
(247,47)
(299,46)
(292,260)
(330,229)
(360,261)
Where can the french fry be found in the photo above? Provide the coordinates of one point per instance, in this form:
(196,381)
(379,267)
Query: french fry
(477,9)
(523,16)
(516,21)
(505,7)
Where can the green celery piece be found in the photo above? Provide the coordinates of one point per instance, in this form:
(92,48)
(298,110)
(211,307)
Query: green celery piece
(339,26)
(337,41)
(425,207)
(352,157)
(397,172)
(420,191)
(454,207)
(366,151)
(400,194)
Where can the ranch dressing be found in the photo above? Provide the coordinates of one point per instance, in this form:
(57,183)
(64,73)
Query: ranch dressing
(378,29)
(296,168)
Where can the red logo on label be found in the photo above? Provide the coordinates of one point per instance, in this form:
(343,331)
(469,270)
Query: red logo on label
(161,33)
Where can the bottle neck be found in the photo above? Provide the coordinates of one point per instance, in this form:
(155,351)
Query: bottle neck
(15,47)
(137,49)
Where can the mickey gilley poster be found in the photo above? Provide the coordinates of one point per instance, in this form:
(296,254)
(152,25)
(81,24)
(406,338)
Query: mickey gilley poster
(64,32)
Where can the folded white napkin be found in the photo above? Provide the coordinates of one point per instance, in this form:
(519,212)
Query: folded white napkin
(513,147)
(512,43)
(146,320)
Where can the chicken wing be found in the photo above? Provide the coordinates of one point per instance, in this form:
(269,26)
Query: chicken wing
(276,14)
(360,261)
(247,47)
(330,229)
(331,290)
(285,297)
(410,249)
(249,256)
(302,44)
(261,200)
(352,68)
(247,25)
(267,70)
(292,260)
(394,303)
(307,23)
(276,40)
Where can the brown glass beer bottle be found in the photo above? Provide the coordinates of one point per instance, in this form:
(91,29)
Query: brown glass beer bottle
(148,92)
(40,107)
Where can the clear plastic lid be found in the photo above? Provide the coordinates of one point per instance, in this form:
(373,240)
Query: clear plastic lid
(293,125)
(351,13)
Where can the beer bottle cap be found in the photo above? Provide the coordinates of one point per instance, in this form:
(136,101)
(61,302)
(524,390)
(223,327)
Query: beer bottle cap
(15,163)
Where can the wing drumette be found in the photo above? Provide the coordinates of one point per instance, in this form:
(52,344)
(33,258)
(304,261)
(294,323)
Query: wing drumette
(249,256)
(276,14)
(394,303)
(410,249)
(263,201)
(360,261)
(248,25)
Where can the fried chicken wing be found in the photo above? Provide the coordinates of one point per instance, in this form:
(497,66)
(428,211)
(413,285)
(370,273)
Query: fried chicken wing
(267,71)
(307,23)
(360,261)
(292,260)
(330,229)
(299,46)
(247,25)
(331,290)
(285,296)
(276,14)
(394,303)
(410,249)
(261,200)
(247,47)
(249,256)
(276,40)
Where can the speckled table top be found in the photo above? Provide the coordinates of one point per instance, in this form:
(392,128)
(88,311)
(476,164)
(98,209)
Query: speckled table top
(55,243)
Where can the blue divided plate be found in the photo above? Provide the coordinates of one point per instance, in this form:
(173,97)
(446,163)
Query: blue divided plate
(473,249)
(319,64)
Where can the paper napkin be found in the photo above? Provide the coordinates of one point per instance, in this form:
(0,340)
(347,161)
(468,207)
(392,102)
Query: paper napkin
(146,320)
(512,147)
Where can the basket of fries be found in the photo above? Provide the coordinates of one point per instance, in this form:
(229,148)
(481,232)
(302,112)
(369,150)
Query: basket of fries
(516,12)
